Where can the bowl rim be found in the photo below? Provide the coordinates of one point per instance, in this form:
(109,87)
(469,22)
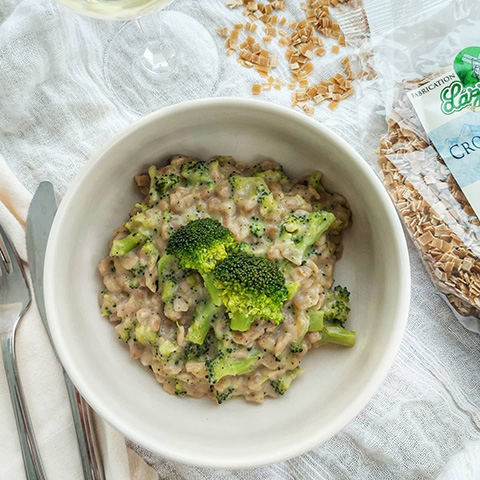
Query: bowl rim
(370,388)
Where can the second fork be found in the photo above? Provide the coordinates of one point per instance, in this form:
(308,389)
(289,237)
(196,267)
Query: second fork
(15,298)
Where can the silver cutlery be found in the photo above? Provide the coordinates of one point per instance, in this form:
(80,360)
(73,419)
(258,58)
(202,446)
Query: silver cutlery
(15,298)
(40,218)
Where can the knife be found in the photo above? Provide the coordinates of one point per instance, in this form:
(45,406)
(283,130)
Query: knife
(39,221)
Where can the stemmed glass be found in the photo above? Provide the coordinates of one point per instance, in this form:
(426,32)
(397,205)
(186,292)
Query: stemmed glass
(158,57)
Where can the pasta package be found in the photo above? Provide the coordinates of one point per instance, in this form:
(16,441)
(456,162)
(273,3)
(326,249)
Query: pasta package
(440,220)
(423,114)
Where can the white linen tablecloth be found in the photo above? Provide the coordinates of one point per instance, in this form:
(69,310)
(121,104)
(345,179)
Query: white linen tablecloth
(55,111)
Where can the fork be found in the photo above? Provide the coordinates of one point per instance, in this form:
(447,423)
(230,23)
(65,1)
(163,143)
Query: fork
(15,298)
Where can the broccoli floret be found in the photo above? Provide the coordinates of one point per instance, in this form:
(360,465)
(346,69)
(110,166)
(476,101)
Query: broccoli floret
(108,305)
(268,205)
(222,160)
(166,348)
(145,224)
(253,189)
(282,384)
(124,329)
(200,244)
(297,347)
(230,358)
(202,322)
(336,306)
(333,315)
(142,207)
(271,176)
(179,388)
(167,268)
(196,172)
(336,227)
(298,232)
(226,364)
(138,270)
(142,227)
(252,287)
(242,247)
(257,228)
(194,351)
(167,216)
(215,164)
(339,335)
(151,257)
(220,397)
(315,181)
(132,282)
(145,335)
(246,188)
(160,185)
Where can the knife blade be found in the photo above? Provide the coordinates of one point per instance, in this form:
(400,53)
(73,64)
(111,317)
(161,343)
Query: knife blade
(39,222)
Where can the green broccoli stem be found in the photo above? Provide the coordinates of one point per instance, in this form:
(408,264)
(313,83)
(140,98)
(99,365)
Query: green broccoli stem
(150,250)
(315,320)
(318,227)
(338,335)
(240,322)
(299,232)
(315,181)
(161,265)
(154,196)
(202,322)
(122,246)
(224,365)
(213,291)
(292,289)
(282,384)
(168,291)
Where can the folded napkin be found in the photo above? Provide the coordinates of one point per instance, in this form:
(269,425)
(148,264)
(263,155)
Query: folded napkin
(43,383)
(465,465)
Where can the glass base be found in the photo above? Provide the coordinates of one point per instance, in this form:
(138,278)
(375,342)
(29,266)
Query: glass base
(168,59)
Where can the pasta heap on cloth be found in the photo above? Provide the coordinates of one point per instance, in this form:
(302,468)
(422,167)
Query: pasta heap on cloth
(56,111)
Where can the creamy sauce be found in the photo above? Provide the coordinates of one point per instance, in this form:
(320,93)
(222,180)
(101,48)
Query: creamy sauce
(170,323)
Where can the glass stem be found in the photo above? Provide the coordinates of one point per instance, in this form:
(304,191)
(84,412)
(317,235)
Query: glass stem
(156,56)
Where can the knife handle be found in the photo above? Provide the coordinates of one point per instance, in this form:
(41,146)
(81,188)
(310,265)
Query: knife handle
(86,437)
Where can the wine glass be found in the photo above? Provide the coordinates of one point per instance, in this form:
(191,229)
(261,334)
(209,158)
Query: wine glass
(156,58)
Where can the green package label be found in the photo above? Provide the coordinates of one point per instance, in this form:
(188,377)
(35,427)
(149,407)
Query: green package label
(467,66)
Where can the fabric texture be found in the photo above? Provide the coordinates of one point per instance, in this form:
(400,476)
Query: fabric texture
(55,111)
(43,383)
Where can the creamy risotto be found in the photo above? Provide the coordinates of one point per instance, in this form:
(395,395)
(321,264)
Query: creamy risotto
(221,280)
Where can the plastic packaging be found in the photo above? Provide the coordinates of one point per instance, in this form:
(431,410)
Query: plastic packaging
(406,45)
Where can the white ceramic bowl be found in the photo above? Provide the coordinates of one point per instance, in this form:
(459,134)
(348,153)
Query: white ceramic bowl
(337,383)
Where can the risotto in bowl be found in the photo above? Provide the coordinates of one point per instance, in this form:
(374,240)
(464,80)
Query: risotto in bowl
(222,278)
(257,271)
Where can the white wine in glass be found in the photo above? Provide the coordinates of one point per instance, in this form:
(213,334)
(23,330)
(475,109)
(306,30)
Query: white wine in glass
(115,9)
(156,59)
